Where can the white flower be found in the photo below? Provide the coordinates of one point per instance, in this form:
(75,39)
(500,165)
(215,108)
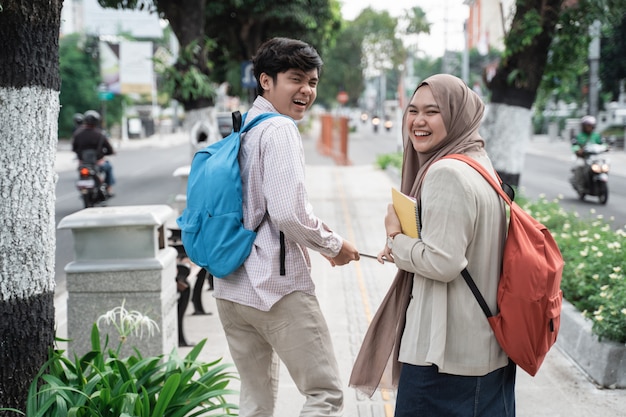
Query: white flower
(128,322)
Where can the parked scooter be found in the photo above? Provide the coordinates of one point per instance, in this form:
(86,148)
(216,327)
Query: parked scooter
(595,173)
(91,180)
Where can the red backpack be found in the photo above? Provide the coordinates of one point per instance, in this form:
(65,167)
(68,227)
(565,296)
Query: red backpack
(529,293)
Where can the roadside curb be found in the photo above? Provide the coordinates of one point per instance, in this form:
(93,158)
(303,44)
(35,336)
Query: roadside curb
(603,361)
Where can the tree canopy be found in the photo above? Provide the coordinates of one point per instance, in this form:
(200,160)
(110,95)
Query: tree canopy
(218,35)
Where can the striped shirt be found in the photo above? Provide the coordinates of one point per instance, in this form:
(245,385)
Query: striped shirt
(271,159)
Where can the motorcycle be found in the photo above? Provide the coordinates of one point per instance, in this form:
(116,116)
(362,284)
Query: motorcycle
(595,173)
(91,182)
(375,123)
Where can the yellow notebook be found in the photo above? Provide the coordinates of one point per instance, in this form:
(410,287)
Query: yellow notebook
(406,209)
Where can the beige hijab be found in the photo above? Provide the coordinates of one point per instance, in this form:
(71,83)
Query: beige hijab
(462,111)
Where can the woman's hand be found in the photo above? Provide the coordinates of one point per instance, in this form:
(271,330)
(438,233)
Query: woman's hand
(392,228)
(392,222)
(385,255)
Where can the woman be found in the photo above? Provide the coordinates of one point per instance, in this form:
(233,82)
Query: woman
(447,361)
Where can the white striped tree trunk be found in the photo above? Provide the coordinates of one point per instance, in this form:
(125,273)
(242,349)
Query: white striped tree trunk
(507,130)
(29,109)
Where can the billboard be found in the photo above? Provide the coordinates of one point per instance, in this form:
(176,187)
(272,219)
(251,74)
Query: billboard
(127,67)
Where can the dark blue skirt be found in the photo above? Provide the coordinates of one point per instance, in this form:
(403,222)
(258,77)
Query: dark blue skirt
(424,392)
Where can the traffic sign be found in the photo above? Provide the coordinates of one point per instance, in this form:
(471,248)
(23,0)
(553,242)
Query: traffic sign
(105,95)
(342,97)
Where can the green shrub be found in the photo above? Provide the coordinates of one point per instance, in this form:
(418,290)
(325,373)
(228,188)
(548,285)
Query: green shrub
(101,384)
(390,160)
(593,275)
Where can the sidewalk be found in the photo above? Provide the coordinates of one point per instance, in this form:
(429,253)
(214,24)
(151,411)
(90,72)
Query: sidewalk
(352,200)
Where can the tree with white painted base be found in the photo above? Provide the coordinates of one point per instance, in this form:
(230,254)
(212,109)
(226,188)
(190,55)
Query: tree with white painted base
(545,39)
(29,109)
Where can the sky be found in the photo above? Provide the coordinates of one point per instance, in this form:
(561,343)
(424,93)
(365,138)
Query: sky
(446,18)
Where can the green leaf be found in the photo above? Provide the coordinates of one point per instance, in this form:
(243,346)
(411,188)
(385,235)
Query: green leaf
(95,338)
(195,351)
(169,389)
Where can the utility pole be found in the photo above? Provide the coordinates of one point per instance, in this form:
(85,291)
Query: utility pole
(465,70)
(594,63)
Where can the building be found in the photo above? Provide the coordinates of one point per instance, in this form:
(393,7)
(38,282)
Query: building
(488,22)
(87,16)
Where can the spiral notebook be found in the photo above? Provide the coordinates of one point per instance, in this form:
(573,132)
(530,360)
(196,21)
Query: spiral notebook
(406,209)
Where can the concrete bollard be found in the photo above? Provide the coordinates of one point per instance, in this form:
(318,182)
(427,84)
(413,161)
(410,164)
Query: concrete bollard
(121,256)
(180,201)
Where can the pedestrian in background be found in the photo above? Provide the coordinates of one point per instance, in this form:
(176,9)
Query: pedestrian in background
(267,314)
(446,359)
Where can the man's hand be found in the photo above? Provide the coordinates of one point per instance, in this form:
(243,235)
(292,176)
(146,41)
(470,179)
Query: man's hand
(347,253)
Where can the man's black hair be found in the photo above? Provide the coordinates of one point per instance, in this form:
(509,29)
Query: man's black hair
(282,54)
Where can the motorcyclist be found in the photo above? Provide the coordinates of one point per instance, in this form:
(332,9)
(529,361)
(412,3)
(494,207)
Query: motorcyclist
(586,136)
(78,119)
(90,137)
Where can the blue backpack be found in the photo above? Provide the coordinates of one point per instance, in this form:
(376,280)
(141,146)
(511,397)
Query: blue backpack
(211,225)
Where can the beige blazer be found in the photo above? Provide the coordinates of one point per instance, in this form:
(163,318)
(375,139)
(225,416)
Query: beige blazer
(463,225)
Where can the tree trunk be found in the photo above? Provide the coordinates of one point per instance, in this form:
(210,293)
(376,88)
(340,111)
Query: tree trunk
(29,111)
(508,124)
(506,130)
(187,19)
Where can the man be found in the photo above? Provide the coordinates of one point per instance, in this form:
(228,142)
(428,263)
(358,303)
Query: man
(90,137)
(587,135)
(268,306)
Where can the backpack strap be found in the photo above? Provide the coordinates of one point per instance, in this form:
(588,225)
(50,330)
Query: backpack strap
(282,254)
(505,190)
(257,120)
(507,195)
(238,120)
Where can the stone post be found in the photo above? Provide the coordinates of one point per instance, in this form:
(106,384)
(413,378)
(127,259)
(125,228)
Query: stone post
(121,256)
(180,201)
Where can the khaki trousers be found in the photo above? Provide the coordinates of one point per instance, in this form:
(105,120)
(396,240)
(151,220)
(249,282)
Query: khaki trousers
(295,331)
